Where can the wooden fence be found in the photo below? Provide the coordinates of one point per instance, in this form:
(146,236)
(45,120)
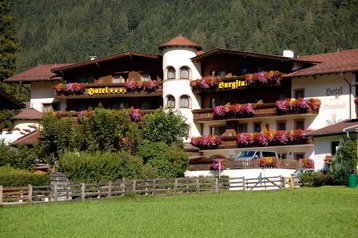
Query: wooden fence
(37,194)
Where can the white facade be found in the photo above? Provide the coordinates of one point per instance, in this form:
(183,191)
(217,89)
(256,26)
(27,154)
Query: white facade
(179,58)
(42,94)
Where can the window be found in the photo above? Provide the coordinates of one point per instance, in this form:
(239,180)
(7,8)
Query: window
(184,72)
(116,78)
(283,155)
(299,156)
(47,107)
(145,105)
(281,125)
(218,130)
(145,77)
(184,101)
(334,147)
(170,101)
(257,126)
(242,128)
(299,124)
(171,73)
(299,93)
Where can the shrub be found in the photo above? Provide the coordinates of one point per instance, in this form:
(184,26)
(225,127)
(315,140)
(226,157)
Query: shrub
(163,160)
(21,157)
(313,179)
(11,177)
(96,167)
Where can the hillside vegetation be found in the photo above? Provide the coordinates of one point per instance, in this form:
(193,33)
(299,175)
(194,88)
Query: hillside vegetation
(57,31)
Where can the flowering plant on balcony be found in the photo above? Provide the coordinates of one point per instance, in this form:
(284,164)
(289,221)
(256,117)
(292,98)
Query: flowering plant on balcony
(133,85)
(135,114)
(272,138)
(204,83)
(234,111)
(307,163)
(150,85)
(270,77)
(268,162)
(70,89)
(218,164)
(206,142)
(299,105)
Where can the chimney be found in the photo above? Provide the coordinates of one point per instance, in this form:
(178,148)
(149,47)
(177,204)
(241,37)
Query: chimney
(288,53)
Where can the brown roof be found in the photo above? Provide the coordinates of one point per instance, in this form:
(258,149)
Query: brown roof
(218,51)
(28,114)
(104,59)
(8,101)
(336,129)
(29,139)
(41,72)
(337,62)
(180,41)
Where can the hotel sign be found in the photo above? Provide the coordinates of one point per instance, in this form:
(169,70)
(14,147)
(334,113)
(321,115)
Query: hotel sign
(233,85)
(106,90)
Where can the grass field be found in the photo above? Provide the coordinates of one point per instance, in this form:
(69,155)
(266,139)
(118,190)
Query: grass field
(306,212)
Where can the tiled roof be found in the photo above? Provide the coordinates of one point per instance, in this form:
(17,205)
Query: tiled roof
(336,129)
(342,61)
(29,139)
(28,114)
(41,72)
(8,101)
(105,59)
(180,41)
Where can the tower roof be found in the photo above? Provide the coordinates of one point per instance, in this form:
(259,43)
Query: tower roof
(180,41)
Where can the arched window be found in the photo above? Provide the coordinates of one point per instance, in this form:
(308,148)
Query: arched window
(184,101)
(170,101)
(171,73)
(184,72)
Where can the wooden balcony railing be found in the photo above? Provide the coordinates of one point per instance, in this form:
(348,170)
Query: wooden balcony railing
(261,110)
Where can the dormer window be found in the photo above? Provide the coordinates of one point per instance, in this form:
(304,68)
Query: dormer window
(184,72)
(171,73)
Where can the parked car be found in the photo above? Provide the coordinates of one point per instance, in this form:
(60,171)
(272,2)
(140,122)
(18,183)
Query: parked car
(255,154)
(302,171)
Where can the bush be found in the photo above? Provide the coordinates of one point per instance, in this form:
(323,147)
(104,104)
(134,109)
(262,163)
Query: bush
(344,162)
(11,177)
(99,166)
(166,161)
(21,157)
(313,179)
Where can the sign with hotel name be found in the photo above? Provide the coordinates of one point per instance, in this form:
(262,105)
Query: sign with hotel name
(232,85)
(106,90)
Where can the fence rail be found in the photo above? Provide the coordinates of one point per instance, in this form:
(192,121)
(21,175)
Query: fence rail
(37,194)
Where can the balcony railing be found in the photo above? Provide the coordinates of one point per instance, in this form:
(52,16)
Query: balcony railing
(248,164)
(261,110)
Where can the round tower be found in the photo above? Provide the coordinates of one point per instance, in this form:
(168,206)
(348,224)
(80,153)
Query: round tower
(178,71)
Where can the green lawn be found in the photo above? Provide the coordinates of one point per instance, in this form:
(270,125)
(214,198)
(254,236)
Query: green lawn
(306,212)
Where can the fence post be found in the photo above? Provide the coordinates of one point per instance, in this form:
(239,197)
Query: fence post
(123,185)
(175,185)
(134,185)
(1,195)
(217,185)
(154,187)
(197,185)
(30,193)
(243,183)
(55,191)
(292,184)
(83,191)
(109,188)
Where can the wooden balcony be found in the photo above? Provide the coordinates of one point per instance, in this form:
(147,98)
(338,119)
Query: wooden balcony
(261,111)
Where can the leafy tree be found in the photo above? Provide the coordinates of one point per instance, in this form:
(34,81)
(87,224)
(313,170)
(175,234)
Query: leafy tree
(22,157)
(344,162)
(168,127)
(5,116)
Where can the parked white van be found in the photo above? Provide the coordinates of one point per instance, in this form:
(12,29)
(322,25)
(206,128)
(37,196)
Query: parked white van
(255,154)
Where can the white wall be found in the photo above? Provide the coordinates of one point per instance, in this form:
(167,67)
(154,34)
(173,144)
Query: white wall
(322,149)
(178,57)
(41,93)
(333,91)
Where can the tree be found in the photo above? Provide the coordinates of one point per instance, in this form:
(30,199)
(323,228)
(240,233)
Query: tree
(168,127)
(344,162)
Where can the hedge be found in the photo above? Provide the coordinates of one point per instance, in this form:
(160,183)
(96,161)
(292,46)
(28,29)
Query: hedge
(10,177)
